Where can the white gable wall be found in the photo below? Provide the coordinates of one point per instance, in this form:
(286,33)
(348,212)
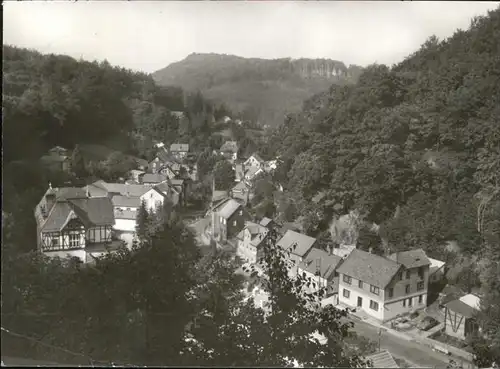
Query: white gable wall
(152,199)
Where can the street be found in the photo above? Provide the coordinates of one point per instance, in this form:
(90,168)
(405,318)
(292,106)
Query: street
(413,352)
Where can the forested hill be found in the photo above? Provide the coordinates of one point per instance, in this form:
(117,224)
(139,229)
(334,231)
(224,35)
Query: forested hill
(261,89)
(56,100)
(415,147)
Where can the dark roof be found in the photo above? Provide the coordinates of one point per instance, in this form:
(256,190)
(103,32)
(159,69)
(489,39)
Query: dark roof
(166,157)
(461,308)
(327,265)
(369,268)
(95,211)
(153,178)
(126,201)
(411,259)
(91,211)
(57,218)
(121,188)
(303,243)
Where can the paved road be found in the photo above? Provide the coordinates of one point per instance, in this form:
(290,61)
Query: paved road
(413,352)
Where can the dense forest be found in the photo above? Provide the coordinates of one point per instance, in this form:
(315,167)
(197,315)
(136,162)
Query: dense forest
(57,100)
(415,149)
(257,89)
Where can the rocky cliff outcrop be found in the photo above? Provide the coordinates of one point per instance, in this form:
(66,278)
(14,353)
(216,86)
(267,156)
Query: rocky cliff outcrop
(273,87)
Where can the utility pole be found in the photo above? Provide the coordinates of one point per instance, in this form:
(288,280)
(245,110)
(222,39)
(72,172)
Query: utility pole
(379,338)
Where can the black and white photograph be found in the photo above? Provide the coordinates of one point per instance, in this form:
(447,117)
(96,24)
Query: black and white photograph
(251,183)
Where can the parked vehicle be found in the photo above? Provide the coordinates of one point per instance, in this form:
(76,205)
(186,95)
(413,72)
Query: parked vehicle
(427,323)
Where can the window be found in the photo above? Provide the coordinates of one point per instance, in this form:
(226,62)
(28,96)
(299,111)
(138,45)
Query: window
(373,305)
(55,241)
(347,279)
(409,302)
(407,288)
(241,211)
(408,273)
(391,292)
(421,272)
(400,276)
(360,284)
(346,293)
(234,223)
(404,303)
(420,299)
(74,240)
(374,290)
(420,286)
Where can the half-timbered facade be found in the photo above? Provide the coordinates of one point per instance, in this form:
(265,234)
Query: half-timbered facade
(69,222)
(460,316)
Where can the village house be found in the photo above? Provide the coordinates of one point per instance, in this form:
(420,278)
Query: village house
(252,172)
(171,192)
(298,245)
(230,150)
(57,160)
(384,287)
(71,224)
(162,158)
(460,321)
(321,268)
(228,219)
(254,161)
(249,241)
(242,192)
(179,151)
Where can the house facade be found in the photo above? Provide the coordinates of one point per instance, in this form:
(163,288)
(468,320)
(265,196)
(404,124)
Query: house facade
(71,224)
(249,242)
(384,288)
(254,161)
(57,160)
(179,150)
(242,192)
(321,268)
(228,219)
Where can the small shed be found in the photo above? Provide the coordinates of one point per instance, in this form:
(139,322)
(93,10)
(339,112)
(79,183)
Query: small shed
(460,314)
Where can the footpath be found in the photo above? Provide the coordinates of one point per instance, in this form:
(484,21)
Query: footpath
(462,356)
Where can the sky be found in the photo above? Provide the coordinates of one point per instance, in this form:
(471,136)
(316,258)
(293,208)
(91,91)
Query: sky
(147,36)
